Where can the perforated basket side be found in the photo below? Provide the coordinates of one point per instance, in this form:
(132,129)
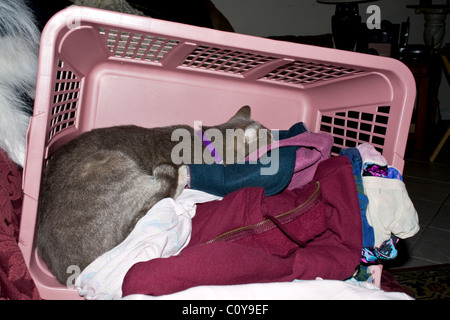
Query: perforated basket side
(302,72)
(351,128)
(153,48)
(224,60)
(128,44)
(64,107)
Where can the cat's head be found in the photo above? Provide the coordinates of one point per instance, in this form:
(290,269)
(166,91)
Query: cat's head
(241,135)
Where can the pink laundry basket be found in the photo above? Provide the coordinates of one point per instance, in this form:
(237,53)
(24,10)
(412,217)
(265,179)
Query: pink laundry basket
(100,68)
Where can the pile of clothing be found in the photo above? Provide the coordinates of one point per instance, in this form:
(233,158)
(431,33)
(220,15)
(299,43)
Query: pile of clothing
(315,217)
(386,210)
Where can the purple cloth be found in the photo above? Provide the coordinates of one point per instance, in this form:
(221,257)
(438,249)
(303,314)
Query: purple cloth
(315,147)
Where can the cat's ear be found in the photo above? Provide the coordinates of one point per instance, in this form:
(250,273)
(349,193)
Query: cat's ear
(243,113)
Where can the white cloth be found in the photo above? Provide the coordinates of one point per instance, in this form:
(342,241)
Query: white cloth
(164,231)
(390,210)
(297,290)
(369,154)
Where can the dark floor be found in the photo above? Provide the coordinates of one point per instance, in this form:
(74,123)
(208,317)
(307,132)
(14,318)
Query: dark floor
(428,186)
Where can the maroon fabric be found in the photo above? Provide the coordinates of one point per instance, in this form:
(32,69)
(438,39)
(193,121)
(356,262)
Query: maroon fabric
(15,280)
(390,284)
(332,227)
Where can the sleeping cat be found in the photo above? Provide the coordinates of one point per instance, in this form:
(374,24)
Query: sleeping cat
(96,187)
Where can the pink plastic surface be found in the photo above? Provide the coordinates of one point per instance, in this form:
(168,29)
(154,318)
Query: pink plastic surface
(99,68)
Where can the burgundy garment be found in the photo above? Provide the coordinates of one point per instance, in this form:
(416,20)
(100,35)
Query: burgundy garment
(15,280)
(249,206)
(321,238)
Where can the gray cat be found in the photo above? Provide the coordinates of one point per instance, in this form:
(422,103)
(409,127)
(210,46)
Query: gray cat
(96,187)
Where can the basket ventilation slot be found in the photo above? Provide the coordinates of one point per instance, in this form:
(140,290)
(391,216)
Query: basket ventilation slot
(65,99)
(351,128)
(137,46)
(301,72)
(225,60)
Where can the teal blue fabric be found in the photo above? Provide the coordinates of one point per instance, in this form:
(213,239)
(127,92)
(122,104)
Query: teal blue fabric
(220,180)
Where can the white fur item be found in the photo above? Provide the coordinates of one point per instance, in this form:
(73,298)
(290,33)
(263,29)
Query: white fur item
(19,46)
